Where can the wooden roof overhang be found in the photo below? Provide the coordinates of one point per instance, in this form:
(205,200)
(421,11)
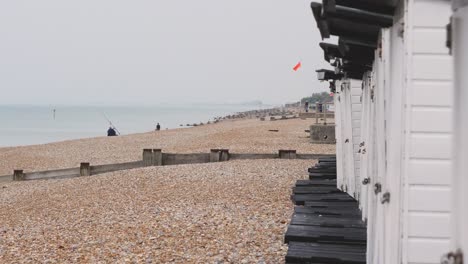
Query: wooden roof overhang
(357,24)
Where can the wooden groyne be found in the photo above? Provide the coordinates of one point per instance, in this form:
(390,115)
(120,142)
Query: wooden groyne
(326,226)
(153,157)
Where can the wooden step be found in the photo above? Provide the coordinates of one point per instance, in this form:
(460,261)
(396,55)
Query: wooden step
(322,176)
(327,221)
(332,235)
(332,212)
(300,199)
(315,189)
(302,252)
(316,182)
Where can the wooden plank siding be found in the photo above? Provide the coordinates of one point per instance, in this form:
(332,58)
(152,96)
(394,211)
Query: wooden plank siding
(428,163)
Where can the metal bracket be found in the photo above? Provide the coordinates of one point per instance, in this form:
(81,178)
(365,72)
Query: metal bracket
(452,258)
(377,188)
(401,30)
(448,40)
(385,198)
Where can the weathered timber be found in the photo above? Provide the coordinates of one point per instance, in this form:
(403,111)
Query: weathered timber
(85,169)
(315,189)
(98,169)
(287,154)
(301,252)
(236,156)
(147,157)
(18,175)
(300,199)
(332,235)
(53,174)
(175,159)
(337,212)
(316,182)
(326,221)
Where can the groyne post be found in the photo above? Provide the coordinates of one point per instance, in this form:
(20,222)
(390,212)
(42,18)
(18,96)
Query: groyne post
(147,157)
(224,155)
(217,155)
(18,175)
(157,157)
(287,154)
(85,169)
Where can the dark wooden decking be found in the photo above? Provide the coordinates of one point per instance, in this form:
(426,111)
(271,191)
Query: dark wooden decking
(326,226)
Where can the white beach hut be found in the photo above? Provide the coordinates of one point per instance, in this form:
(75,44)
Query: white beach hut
(398,161)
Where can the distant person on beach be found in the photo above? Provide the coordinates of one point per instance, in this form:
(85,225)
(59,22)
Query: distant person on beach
(158,127)
(306,106)
(111,132)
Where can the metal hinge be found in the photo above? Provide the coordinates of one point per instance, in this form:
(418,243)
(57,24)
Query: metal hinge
(385,198)
(401,30)
(452,258)
(448,40)
(377,188)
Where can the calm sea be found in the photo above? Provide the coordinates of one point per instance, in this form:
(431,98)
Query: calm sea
(27,125)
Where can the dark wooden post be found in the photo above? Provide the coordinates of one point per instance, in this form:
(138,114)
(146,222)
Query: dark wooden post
(85,169)
(147,157)
(292,154)
(287,154)
(224,155)
(18,175)
(157,157)
(215,155)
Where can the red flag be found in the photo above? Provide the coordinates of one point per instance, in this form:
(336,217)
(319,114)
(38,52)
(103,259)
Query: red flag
(298,65)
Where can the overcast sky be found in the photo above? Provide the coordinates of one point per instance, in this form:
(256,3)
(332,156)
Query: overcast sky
(157,51)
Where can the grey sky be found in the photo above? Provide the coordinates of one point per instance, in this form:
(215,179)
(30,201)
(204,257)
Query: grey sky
(122,51)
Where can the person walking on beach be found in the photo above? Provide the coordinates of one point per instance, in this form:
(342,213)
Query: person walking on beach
(306,106)
(111,132)
(158,127)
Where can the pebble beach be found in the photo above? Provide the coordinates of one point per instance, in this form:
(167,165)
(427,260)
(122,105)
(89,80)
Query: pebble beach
(229,212)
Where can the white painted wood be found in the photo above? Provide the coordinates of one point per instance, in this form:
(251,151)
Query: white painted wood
(427,119)
(427,40)
(438,223)
(363,202)
(428,112)
(395,128)
(432,67)
(430,146)
(430,13)
(423,250)
(436,172)
(349,178)
(427,93)
(338,135)
(429,199)
(460,175)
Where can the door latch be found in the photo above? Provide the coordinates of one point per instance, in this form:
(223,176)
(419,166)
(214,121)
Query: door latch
(452,258)
(385,198)
(377,188)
